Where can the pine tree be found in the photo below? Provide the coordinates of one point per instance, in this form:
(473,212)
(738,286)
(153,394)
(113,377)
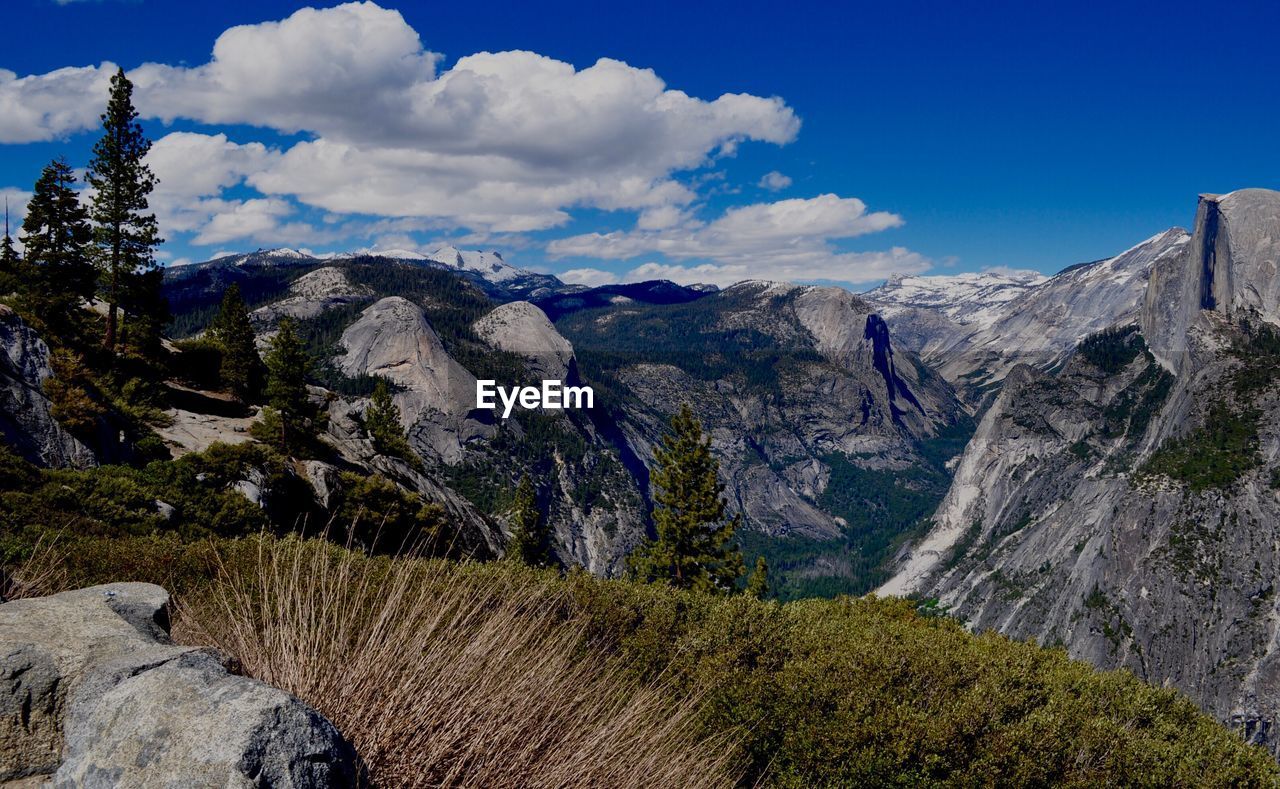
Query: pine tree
(382,424)
(694,547)
(530,541)
(758,583)
(241,369)
(9,260)
(124,232)
(290,418)
(57,273)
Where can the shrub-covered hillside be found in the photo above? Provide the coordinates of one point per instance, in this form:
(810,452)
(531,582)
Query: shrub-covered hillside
(846,692)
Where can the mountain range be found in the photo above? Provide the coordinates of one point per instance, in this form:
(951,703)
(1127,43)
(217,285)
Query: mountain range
(1087,459)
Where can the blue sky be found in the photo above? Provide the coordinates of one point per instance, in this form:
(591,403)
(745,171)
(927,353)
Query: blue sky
(938,137)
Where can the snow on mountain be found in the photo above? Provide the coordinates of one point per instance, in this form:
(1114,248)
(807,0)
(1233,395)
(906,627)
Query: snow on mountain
(395,254)
(968,299)
(489,265)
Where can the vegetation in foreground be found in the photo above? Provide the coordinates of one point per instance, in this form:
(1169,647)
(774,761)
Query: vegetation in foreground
(846,692)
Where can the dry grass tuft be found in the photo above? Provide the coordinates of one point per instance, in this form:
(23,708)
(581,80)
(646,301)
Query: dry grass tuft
(440,680)
(44,572)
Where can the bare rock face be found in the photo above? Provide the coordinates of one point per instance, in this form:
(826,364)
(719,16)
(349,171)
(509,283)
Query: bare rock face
(1038,323)
(392,339)
(310,295)
(521,328)
(1097,508)
(96,695)
(857,397)
(26,415)
(1231,267)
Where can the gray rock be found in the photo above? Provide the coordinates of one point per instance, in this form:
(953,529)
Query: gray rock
(96,695)
(325,480)
(521,328)
(1050,531)
(1231,267)
(392,339)
(310,295)
(26,415)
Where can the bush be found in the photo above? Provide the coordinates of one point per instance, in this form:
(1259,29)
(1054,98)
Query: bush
(123,501)
(843,692)
(439,678)
(377,514)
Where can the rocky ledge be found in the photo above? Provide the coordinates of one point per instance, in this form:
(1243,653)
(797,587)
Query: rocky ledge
(93,693)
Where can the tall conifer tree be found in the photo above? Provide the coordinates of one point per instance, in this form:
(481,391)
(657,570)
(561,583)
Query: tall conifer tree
(290,418)
(530,541)
(382,424)
(694,547)
(125,233)
(758,583)
(57,273)
(242,369)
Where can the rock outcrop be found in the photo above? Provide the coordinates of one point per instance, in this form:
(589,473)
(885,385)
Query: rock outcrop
(1041,326)
(392,339)
(1232,268)
(96,695)
(26,416)
(310,295)
(1126,506)
(521,328)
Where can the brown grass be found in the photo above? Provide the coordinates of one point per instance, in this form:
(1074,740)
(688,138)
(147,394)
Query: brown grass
(44,572)
(440,680)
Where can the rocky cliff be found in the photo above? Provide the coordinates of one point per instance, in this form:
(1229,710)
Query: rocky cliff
(1039,326)
(27,423)
(1126,505)
(821,425)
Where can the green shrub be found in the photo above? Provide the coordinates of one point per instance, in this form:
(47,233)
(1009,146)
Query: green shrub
(1112,350)
(846,692)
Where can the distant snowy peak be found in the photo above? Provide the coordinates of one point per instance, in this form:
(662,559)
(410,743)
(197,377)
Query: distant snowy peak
(489,265)
(964,298)
(282,254)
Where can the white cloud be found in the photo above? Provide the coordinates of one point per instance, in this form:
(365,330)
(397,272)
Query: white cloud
(47,106)
(197,165)
(591,277)
(774,181)
(17,200)
(193,171)
(852,268)
(785,239)
(260,219)
(499,142)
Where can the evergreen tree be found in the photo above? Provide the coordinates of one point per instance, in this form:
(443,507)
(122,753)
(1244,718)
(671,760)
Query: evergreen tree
(758,583)
(124,232)
(290,418)
(57,273)
(382,424)
(694,547)
(241,369)
(530,540)
(9,260)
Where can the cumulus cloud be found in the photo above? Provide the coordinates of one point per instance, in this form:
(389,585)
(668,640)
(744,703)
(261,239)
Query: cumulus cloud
(785,239)
(497,145)
(591,277)
(774,181)
(47,106)
(499,142)
(850,268)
